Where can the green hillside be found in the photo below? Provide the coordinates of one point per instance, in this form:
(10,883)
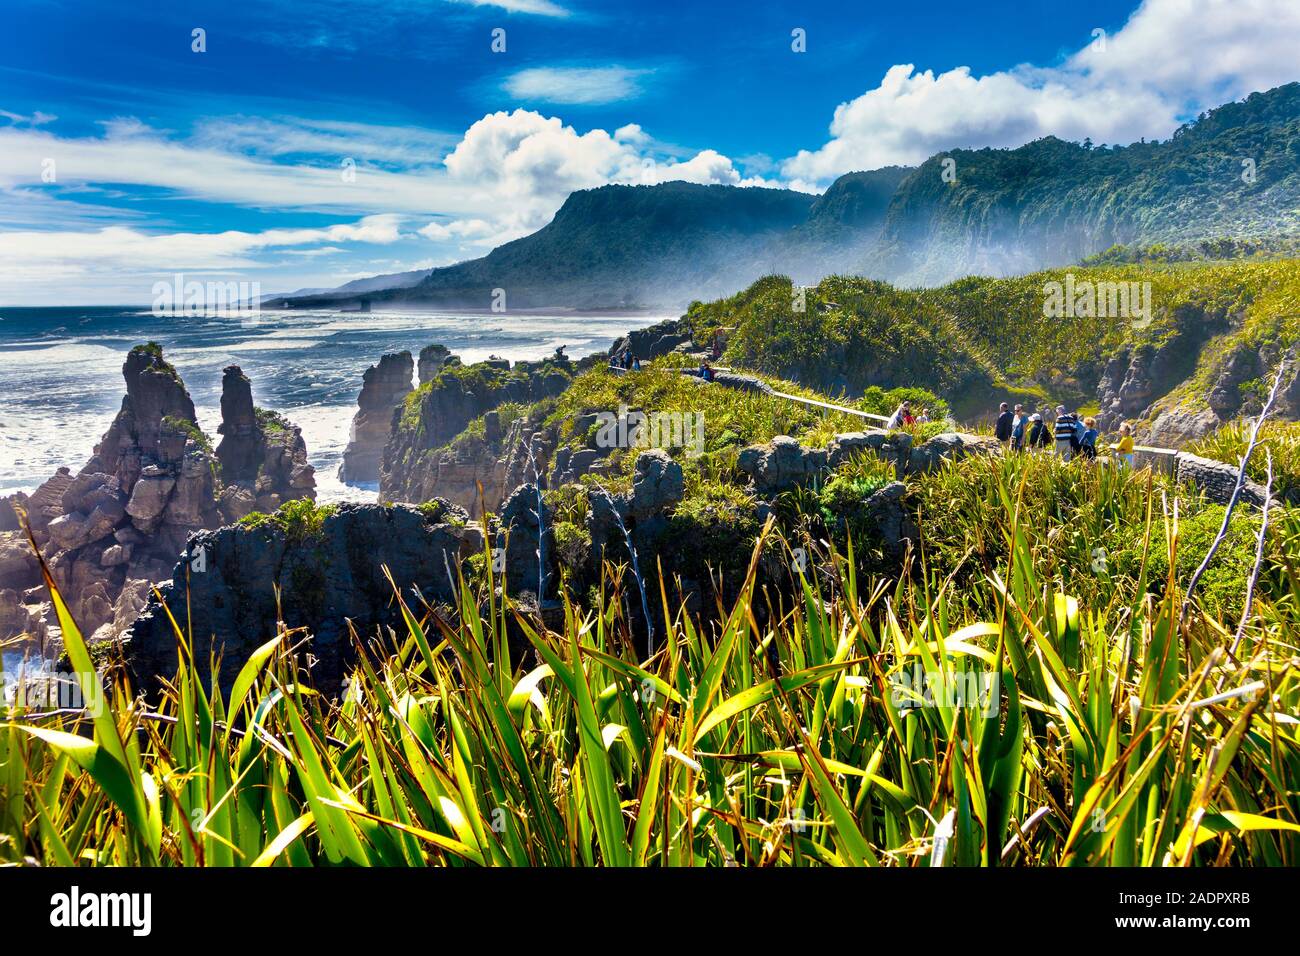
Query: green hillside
(980,340)
(1233,173)
(1005,212)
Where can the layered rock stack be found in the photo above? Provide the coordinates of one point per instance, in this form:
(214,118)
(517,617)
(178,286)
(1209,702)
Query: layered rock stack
(429,452)
(383,390)
(263,457)
(326,582)
(117,526)
(432,359)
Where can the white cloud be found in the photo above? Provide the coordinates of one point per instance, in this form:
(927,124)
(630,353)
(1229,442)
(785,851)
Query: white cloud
(544,8)
(47,255)
(132,154)
(505,178)
(402,146)
(1171,59)
(37,118)
(584,86)
(527,164)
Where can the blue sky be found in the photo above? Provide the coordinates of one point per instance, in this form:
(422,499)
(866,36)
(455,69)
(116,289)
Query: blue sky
(125,154)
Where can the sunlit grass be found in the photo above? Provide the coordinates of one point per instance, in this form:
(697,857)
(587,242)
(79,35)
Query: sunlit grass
(766,732)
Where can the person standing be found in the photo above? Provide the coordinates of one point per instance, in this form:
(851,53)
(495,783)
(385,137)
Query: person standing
(1019,421)
(1066,432)
(1002,430)
(1088,440)
(1038,431)
(1124,448)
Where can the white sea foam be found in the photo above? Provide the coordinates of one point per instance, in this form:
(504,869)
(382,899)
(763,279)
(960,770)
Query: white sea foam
(59,392)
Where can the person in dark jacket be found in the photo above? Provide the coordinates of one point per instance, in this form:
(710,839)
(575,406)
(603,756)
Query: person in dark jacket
(1088,441)
(1039,433)
(1002,430)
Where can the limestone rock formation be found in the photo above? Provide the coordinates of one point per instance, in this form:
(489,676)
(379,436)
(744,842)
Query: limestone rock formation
(384,388)
(263,457)
(659,339)
(783,463)
(117,526)
(949,446)
(658,484)
(1216,479)
(430,453)
(528,544)
(432,359)
(326,579)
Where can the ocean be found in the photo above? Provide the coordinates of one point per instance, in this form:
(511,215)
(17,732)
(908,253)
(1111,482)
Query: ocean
(61,370)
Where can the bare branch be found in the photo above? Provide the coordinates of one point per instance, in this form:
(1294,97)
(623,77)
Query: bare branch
(1236,490)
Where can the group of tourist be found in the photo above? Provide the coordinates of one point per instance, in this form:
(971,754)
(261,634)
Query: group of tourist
(1069,435)
(903,416)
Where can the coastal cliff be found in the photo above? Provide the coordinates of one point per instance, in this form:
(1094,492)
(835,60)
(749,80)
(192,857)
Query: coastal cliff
(116,527)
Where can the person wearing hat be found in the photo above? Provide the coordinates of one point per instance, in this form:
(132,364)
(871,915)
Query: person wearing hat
(1038,431)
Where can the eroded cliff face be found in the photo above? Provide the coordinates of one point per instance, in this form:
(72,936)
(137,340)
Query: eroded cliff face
(117,526)
(263,456)
(384,388)
(324,579)
(1203,376)
(429,452)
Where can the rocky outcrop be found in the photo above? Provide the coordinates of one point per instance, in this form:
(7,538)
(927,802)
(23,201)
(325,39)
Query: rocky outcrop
(116,527)
(783,463)
(1178,426)
(263,457)
(658,484)
(384,388)
(324,581)
(654,341)
(890,520)
(429,452)
(949,446)
(432,359)
(528,543)
(780,464)
(1216,479)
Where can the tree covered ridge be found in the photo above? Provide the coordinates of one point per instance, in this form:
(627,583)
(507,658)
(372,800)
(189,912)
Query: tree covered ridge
(980,340)
(1233,173)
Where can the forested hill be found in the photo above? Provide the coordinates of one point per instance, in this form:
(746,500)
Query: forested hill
(1233,174)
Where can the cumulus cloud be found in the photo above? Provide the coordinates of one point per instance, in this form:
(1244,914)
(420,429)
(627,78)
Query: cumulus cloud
(585,86)
(528,164)
(1171,59)
(504,178)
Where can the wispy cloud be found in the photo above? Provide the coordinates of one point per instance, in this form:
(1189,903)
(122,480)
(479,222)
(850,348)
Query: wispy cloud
(62,254)
(35,119)
(399,146)
(544,8)
(577,85)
